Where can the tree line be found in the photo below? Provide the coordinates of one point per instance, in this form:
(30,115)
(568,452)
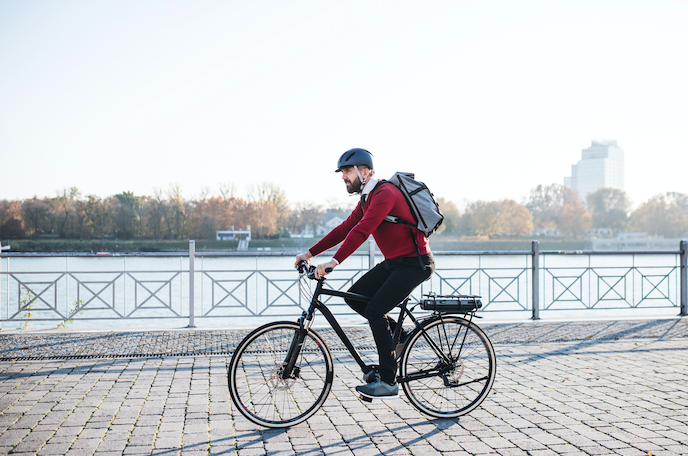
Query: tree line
(163,216)
(558,210)
(548,209)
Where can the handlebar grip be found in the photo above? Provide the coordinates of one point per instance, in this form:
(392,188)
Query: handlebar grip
(328,270)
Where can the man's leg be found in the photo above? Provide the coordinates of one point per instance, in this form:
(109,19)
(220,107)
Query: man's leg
(368,285)
(404,276)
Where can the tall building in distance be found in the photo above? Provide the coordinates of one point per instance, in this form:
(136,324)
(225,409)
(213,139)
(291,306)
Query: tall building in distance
(602,166)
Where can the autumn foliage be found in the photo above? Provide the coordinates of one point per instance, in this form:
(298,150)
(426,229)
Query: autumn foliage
(161,216)
(552,209)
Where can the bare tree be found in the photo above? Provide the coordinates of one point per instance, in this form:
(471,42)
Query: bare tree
(609,208)
(65,202)
(665,214)
(227,190)
(177,211)
(498,217)
(574,219)
(271,194)
(452,217)
(11,219)
(341,205)
(35,212)
(305,214)
(546,203)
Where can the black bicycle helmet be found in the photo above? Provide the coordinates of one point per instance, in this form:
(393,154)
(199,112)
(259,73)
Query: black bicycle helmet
(355,157)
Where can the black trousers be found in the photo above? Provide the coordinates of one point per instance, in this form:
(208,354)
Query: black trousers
(389,283)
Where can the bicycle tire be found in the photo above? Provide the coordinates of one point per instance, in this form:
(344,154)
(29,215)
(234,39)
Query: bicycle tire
(448,389)
(256,387)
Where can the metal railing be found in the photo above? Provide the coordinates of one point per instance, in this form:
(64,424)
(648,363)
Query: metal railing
(243,289)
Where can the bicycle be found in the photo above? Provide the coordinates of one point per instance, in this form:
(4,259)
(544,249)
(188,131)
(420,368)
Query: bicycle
(282,372)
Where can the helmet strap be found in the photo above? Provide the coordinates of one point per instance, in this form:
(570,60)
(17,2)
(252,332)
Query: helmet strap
(360,177)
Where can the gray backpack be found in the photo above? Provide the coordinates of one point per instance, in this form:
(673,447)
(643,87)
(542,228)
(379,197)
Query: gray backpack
(425,210)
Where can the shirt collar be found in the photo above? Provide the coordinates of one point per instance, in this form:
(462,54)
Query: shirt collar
(369,186)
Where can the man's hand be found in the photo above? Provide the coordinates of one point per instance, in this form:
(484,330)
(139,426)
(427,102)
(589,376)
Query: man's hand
(320,271)
(303,257)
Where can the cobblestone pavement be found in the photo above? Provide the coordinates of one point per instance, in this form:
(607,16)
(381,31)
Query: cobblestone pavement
(611,389)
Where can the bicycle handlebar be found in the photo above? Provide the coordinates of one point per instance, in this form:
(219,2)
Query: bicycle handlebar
(303,267)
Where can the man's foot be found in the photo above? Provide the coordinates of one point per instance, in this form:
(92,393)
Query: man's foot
(378,389)
(372,376)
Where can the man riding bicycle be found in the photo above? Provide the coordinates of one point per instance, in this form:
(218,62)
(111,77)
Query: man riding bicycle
(390,281)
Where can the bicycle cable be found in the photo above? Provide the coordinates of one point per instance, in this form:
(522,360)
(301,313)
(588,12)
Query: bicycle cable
(305,289)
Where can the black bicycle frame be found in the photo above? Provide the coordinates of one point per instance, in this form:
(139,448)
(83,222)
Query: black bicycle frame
(308,315)
(316,304)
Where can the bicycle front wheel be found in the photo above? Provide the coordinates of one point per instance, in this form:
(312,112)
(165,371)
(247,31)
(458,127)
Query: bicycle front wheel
(449,369)
(255,380)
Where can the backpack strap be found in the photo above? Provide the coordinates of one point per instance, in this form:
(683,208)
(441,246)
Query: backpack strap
(381,181)
(415,244)
(389,218)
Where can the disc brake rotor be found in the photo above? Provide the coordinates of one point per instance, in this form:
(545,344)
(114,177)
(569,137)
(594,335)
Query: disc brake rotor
(277,382)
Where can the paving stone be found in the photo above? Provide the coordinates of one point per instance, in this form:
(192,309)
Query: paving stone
(511,452)
(86,443)
(28,446)
(138,449)
(112,446)
(142,440)
(253,451)
(52,449)
(168,443)
(224,450)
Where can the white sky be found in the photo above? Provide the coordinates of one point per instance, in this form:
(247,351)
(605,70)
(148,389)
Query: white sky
(481,99)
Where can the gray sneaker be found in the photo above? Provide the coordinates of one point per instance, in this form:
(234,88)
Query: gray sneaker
(378,389)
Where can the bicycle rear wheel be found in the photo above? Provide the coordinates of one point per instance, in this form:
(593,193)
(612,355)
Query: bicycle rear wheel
(455,383)
(254,376)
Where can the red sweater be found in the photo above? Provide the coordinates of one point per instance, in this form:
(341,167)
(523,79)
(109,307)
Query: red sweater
(393,239)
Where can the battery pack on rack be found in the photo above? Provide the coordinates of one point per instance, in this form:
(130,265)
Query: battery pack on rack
(451,303)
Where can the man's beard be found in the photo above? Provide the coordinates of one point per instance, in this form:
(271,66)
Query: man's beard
(353,187)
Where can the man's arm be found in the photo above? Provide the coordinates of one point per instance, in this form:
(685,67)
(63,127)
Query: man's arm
(333,238)
(338,234)
(380,205)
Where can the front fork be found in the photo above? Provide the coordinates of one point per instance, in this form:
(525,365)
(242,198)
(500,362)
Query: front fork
(289,367)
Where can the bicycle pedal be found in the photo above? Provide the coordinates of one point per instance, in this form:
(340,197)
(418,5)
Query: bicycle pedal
(366,398)
(370,377)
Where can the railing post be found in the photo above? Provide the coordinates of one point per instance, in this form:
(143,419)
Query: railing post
(536,280)
(192,254)
(684,278)
(371,253)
